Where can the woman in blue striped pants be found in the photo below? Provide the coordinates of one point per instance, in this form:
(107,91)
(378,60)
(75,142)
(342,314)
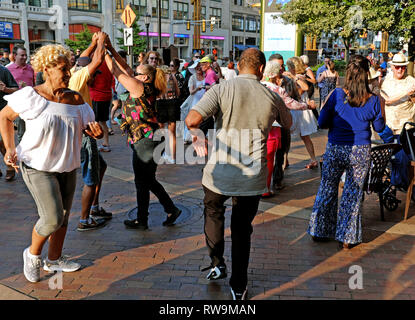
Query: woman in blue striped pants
(348,114)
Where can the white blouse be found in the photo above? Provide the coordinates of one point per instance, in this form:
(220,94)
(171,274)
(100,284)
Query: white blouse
(52,141)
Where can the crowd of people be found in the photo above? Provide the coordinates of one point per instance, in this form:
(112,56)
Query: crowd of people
(62,103)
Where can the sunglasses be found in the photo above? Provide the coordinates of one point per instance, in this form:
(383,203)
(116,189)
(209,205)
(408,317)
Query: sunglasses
(152,58)
(197,57)
(172,65)
(400,67)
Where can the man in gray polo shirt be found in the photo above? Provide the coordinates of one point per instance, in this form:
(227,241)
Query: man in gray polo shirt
(244,111)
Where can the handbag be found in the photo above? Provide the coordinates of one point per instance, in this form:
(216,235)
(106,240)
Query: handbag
(407,138)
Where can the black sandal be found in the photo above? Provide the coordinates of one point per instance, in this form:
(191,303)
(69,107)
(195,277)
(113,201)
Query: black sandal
(10,174)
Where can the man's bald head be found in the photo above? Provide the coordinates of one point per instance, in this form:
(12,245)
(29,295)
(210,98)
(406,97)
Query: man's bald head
(252,59)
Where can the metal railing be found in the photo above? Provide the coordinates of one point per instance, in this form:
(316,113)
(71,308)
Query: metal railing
(9,6)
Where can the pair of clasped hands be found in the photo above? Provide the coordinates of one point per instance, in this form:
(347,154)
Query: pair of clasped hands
(103,38)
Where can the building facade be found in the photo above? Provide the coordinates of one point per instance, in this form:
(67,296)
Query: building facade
(39,22)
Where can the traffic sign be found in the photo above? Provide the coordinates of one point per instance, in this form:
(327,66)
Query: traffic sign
(128,36)
(128,16)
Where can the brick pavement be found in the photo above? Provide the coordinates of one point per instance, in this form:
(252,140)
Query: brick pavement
(164,263)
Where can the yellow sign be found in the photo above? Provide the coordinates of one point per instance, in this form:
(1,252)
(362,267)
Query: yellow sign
(128,16)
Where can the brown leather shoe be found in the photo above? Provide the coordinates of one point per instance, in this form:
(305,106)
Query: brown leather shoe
(10,174)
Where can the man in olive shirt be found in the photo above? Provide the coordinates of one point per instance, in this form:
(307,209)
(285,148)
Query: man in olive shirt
(7,86)
(242,107)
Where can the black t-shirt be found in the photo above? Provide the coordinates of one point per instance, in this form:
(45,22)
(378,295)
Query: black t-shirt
(9,81)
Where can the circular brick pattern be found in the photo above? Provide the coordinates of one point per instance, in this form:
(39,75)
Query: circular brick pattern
(191,213)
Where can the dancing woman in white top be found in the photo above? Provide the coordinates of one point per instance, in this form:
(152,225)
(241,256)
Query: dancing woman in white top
(304,123)
(49,153)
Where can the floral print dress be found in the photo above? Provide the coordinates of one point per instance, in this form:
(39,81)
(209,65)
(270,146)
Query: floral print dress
(138,119)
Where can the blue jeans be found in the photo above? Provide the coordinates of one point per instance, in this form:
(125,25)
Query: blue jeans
(400,161)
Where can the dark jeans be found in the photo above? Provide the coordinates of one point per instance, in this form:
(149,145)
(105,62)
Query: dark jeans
(207,124)
(278,174)
(145,180)
(244,209)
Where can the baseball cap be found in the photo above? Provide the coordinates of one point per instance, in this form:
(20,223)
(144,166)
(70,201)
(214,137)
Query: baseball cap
(83,61)
(205,59)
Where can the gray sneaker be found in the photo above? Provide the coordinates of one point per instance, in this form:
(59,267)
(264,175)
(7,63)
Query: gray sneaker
(31,267)
(62,264)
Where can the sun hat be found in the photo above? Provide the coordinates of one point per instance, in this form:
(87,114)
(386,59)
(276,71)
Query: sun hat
(373,74)
(399,59)
(206,59)
(192,68)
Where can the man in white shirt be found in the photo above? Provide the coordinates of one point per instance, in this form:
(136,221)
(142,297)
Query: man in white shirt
(398,90)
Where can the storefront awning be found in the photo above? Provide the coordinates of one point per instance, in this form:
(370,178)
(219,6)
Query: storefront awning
(8,41)
(242,47)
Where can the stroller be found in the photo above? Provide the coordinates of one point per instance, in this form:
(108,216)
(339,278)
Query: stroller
(379,177)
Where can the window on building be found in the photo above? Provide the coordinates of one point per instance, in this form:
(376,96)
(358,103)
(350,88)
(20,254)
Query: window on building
(119,5)
(217,13)
(238,40)
(250,41)
(203,12)
(180,11)
(238,2)
(237,23)
(141,5)
(34,3)
(87,5)
(164,8)
(250,24)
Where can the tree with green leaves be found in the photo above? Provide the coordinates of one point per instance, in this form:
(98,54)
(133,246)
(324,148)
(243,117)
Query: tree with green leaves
(347,19)
(342,19)
(83,40)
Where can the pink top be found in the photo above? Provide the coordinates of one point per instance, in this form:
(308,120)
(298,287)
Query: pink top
(289,102)
(211,77)
(24,76)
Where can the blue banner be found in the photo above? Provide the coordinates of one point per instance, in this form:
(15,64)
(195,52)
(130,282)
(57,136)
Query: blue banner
(6,30)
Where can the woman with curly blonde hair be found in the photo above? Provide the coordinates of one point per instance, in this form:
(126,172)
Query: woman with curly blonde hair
(49,153)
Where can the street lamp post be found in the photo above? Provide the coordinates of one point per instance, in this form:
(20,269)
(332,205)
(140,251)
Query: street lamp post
(159,25)
(147,23)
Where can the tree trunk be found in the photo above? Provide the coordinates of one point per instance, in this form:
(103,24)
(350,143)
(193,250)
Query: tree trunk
(347,50)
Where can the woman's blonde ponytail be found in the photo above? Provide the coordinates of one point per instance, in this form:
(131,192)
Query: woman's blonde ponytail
(160,81)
